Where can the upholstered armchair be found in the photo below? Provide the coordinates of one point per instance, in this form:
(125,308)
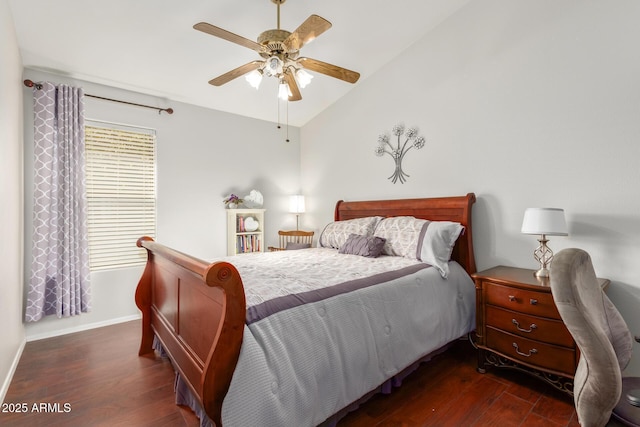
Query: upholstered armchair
(603,338)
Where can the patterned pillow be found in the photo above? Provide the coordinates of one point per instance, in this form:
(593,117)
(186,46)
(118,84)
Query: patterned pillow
(335,234)
(402,234)
(366,246)
(436,244)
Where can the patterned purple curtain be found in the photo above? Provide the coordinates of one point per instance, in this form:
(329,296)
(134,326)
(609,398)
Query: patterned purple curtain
(59,282)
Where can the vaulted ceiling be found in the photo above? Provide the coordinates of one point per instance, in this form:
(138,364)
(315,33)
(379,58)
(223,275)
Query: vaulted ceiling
(150,46)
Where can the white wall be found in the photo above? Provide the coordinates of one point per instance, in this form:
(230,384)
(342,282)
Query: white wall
(12,338)
(203,155)
(525,103)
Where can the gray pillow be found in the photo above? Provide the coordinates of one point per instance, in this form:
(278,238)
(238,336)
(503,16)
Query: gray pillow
(292,246)
(366,246)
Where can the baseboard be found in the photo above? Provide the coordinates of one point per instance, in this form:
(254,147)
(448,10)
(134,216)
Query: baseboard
(81,328)
(12,370)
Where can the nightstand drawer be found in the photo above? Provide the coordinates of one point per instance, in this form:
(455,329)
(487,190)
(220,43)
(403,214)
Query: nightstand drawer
(535,353)
(532,327)
(521,300)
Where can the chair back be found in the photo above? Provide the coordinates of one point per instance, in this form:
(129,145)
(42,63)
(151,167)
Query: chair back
(297,237)
(599,331)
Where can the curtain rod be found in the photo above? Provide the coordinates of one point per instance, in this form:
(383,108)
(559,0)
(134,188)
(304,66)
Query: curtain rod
(30,83)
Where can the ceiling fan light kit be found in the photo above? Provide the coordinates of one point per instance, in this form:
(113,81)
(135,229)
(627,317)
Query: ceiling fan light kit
(280,51)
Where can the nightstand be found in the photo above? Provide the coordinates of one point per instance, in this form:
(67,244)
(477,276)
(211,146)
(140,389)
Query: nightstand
(519,327)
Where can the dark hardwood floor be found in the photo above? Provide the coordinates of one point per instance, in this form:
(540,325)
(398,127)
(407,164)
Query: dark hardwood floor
(95,378)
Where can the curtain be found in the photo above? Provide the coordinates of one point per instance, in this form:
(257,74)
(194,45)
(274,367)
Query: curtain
(59,281)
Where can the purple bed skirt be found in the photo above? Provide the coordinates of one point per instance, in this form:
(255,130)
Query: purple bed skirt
(184,396)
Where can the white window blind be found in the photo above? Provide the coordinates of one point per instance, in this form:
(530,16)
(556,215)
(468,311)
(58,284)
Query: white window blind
(121,193)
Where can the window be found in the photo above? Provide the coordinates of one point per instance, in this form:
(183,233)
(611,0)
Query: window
(121,193)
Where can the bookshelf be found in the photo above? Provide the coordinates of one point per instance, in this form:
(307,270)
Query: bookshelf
(242,234)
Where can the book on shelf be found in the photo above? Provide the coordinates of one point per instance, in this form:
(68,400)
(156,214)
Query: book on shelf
(249,243)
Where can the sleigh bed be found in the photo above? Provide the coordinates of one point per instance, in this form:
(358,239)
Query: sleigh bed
(245,359)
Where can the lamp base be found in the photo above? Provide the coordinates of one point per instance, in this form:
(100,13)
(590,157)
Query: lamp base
(543,255)
(542,273)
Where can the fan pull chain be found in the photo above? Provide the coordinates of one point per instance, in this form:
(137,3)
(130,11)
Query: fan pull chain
(287,140)
(287,124)
(279,126)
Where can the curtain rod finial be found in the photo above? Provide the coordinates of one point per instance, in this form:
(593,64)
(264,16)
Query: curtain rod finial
(30,83)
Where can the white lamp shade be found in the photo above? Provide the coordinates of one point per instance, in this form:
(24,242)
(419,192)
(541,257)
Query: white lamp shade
(303,77)
(273,66)
(284,92)
(296,204)
(254,78)
(548,221)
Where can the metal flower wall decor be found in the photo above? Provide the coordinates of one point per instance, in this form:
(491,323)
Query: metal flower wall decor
(397,152)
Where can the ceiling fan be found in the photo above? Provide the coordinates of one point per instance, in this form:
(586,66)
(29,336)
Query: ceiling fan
(280,51)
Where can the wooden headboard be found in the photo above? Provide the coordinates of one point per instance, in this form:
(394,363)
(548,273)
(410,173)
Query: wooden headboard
(456,209)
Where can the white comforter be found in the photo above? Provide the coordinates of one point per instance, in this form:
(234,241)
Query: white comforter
(299,366)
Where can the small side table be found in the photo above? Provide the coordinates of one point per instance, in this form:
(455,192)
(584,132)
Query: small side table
(518,326)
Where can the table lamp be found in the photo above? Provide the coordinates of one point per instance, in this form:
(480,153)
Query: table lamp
(544,222)
(296,206)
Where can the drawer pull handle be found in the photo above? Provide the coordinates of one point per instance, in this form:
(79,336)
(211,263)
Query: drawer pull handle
(531,328)
(532,351)
(533,301)
(512,298)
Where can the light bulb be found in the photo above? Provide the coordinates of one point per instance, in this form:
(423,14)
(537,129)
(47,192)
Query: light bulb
(273,66)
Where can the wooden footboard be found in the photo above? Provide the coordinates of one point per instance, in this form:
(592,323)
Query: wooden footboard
(197,311)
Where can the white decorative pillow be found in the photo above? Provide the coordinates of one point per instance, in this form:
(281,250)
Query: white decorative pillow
(437,244)
(402,234)
(335,234)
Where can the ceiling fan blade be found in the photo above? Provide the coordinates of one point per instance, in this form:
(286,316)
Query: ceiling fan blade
(311,28)
(229,36)
(293,87)
(237,72)
(329,69)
